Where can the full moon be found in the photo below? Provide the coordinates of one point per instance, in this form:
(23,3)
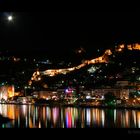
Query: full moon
(10,18)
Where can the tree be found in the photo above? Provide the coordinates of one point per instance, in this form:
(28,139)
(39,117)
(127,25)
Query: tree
(109,97)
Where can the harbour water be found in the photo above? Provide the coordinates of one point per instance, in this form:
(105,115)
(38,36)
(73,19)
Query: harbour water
(31,116)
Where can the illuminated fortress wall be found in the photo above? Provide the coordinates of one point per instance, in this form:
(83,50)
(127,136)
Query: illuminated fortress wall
(6,92)
(102,59)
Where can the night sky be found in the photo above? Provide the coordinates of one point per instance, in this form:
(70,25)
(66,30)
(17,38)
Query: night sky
(56,33)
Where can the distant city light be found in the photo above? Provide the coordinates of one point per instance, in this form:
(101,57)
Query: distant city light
(120,64)
(88,97)
(102,97)
(100,71)
(92,69)
(39,78)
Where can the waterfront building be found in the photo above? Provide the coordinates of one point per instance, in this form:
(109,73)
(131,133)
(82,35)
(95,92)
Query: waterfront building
(6,92)
(119,93)
(44,94)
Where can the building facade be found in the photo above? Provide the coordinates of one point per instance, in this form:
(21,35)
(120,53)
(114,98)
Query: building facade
(7,92)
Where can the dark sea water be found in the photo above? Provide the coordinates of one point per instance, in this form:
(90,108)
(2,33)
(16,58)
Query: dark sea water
(30,116)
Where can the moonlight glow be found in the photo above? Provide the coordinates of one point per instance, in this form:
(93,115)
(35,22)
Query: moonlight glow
(10,18)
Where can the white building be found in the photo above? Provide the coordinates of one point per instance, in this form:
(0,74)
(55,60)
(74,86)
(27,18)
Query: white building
(118,92)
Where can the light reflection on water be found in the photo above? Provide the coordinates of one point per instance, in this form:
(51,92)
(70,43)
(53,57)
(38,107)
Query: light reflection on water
(29,116)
